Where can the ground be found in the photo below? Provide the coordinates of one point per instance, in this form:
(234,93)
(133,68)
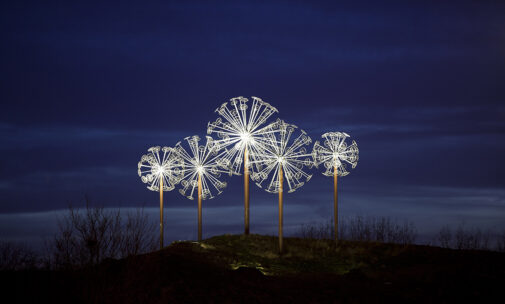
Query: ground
(243,269)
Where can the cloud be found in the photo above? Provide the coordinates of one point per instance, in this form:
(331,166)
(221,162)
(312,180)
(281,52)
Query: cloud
(24,138)
(429,208)
(421,121)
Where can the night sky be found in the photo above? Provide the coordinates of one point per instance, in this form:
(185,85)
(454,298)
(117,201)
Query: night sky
(87,88)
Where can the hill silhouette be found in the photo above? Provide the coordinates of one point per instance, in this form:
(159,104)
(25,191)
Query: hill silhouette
(248,269)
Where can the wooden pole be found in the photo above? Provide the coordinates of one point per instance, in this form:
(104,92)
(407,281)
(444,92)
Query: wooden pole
(280,208)
(246,192)
(335,203)
(199,206)
(161,212)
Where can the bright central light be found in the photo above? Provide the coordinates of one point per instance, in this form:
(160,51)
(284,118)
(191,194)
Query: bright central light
(280,159)
(160,170)
(155,169)
(242,124)
(201,168)
(245,137)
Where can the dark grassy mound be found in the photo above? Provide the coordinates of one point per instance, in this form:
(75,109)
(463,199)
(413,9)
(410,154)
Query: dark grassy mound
(238,269)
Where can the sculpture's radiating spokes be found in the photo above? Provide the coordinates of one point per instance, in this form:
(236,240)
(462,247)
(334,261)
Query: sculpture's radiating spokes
(161,174)
(152,169)
(240,127)
(335,154)
(202,169)
(282,148)
(283,158)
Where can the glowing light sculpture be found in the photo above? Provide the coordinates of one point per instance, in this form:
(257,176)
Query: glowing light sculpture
(334,154)
(161,173)
(284,158)
(202,169)
(241,126)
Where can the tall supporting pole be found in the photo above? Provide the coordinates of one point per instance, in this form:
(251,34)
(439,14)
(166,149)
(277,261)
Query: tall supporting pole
(335,203)
(199,206)
(246,191)
(280,207)
(161,212)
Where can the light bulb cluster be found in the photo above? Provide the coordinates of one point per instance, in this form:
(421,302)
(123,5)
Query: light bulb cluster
(335,153)
(167,168)
(283,148)
(243,134)
(201,162)
(241,128)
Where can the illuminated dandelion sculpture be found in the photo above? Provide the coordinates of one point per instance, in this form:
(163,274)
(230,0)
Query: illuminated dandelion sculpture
(334,154)
(202,169)
(284,157)
(161,173)
(240,126)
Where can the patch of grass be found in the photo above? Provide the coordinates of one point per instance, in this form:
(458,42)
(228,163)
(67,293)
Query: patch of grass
(300,255)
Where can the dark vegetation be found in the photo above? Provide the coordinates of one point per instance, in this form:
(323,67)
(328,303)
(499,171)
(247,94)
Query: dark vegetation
(360,228)
(237,269)
(102,256)
(15,256)
(469,238)
(87,237)
(386,230)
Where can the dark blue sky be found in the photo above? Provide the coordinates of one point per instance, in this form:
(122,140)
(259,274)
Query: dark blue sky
(86,88)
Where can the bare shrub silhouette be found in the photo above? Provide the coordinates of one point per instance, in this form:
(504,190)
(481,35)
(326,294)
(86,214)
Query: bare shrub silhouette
(322,230)
(14,256)
(90,235)
(444,237)
(500,244)
(471,239)
(360,228)
(138,234)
